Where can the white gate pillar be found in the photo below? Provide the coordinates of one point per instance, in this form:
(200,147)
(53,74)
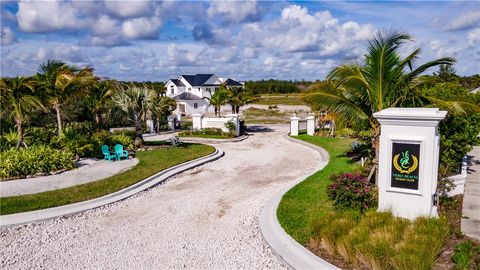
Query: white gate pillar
(197,121)
(408,161)
(310,125)
(294,126)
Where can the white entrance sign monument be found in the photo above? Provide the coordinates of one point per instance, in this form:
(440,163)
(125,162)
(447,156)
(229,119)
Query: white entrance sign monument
(408,161)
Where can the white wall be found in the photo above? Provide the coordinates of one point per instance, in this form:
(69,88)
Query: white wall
(200,122)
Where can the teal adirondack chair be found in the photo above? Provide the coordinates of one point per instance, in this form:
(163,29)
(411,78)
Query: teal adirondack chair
(119,152)
(106,153)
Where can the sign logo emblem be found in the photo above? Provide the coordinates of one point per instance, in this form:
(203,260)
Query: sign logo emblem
(404,164)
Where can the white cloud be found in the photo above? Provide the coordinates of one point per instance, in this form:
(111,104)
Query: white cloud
(442,48)
(141,28)
(297,30)
(7,36)
(126,9)
(234,11)
(105,25)
(46,16)
(464,21)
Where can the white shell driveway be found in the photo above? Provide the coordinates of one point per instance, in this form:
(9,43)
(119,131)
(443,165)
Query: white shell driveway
(203,218)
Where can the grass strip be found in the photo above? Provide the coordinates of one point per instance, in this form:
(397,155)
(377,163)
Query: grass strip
(308,200)
(151,162)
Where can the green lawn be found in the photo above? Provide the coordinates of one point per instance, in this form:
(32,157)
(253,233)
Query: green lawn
(151,162)
(308,200)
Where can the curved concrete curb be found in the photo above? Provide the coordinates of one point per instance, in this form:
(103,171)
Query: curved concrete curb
(207,140)
(75,208)
(289,251)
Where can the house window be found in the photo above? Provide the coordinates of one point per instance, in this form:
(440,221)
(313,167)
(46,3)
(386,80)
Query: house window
(208,89)
(171,91)
(189,88)
(195,105)
(199,89)
(216,88)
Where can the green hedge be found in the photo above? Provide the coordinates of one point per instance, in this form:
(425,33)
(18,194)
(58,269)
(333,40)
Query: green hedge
(32,160)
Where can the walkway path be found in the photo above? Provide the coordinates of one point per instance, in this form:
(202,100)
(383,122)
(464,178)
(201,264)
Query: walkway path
(89,171)
(206,218)
(471,199)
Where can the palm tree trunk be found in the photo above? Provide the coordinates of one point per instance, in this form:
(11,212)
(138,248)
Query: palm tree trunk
(56,106)
(237,109)
(97,118)
(233,108)
(138,132)
(21,136)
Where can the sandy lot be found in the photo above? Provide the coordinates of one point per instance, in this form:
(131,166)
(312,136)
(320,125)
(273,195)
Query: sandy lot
(204,218)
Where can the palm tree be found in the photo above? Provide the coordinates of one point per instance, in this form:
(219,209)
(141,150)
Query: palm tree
(217,99)
(159,106)
(133,100)
(18,95)
(100,98)
(237,97)
(355,91)
(61,82)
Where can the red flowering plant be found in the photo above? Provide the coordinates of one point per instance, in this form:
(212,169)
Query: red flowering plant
(352,191)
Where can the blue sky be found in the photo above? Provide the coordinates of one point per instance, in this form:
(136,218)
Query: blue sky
(246,40)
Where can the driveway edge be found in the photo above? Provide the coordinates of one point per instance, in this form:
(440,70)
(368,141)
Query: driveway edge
(289,251)
(75,208)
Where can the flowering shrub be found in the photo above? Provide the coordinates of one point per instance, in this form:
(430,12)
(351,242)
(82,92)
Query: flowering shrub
(352,191)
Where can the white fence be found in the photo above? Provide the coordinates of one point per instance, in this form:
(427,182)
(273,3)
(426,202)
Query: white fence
(199,122)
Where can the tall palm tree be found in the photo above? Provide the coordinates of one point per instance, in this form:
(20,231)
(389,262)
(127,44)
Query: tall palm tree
(384,79)
(133,100)
(18,95)
(217,99)
(61,82)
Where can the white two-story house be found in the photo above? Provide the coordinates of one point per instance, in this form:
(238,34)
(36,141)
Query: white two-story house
(189,91)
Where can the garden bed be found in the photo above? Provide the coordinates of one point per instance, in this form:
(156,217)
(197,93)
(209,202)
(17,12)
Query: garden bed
(150,163)
(351,239)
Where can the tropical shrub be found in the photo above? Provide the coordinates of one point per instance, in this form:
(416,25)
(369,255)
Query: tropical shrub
(126,141)
(230,125)
(39,135)
(175,141)
(352,191)
(32,160)
(346,133)
(9,139)
(207,132)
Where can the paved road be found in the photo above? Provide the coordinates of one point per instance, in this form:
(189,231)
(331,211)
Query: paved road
(205,218)
(471,200)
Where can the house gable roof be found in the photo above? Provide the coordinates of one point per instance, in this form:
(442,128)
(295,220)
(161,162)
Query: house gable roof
(198,79)
(177,82)
(186,96)
(231,82)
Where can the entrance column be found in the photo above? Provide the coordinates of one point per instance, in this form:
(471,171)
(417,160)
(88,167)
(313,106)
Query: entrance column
(294,126)
(408,161)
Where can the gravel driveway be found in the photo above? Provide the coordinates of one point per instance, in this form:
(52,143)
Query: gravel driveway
(205,218)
